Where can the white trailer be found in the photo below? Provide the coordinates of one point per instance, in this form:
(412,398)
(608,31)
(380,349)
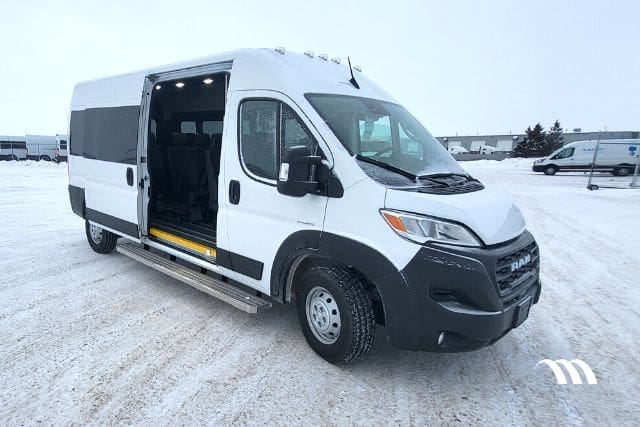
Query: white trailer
(13,148)
(61,152)
(41,147)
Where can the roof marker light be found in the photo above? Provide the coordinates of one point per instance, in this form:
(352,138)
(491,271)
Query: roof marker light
(158,87)
(309,53)
(336,60)
(323,56)
(357,68)
(179,85)
(207,81)
(280,50)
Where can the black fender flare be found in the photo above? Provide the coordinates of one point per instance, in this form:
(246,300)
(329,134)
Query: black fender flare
(342,250)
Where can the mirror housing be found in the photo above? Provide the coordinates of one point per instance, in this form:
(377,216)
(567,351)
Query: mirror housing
(295,170)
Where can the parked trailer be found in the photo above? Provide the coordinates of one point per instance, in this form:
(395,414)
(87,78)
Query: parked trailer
(61,152)
(13,148)
(280,177)
(41,147)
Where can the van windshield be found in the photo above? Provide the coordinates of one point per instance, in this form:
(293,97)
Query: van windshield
(384,133)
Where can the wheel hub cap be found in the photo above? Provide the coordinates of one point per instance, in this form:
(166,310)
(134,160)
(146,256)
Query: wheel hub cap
(323,315)
(95,232)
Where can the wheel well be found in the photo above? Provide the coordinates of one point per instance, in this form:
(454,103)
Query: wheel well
(306,262)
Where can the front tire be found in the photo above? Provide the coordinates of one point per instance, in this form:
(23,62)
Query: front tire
(101,241)
(550,170)
(621,171)
(336,314)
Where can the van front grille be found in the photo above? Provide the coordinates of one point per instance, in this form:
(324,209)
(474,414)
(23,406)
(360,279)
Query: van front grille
(517,272)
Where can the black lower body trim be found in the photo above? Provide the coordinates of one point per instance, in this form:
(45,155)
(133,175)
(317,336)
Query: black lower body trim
(112,222)
(239,263)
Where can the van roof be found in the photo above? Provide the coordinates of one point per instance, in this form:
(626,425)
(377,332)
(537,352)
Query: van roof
(260,69)
(607,141)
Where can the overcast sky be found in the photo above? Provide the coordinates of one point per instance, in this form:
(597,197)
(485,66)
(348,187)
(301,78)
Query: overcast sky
(463,67)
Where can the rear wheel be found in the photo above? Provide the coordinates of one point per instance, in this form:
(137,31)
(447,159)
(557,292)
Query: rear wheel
(550,170)
(336,314)
(621,171)
(101,241)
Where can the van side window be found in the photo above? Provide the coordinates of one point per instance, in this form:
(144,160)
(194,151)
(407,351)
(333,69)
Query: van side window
(258,137)
(212,127)
(267,129)
(188,127)
(566,153)
(294,132)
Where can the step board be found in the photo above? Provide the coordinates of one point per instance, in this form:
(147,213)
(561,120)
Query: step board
(226,292)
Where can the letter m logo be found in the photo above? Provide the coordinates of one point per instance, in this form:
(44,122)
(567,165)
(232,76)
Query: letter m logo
(558,367)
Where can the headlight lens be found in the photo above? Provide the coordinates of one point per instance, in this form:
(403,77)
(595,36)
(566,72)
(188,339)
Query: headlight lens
(421,229)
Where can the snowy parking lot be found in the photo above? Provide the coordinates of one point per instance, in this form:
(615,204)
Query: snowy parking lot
(101,339)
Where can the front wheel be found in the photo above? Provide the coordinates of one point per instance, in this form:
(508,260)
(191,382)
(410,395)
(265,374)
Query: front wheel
(336,314)
(550,170)
(101,241)
(621,171)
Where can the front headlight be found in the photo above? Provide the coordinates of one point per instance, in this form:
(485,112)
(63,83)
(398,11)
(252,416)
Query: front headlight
(421,229)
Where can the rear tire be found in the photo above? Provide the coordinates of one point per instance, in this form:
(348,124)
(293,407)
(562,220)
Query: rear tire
(336,314)
(550,170)
(101,241)
(621,171)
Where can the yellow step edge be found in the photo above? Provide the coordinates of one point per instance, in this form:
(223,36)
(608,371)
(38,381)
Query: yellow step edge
(185,243)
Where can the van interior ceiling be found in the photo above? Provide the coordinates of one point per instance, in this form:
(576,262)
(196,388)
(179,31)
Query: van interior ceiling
(185,136)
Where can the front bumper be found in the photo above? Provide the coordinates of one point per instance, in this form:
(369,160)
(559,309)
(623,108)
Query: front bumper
(538,167)
(457,299)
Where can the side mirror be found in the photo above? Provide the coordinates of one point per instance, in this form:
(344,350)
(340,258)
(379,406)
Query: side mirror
(295,170)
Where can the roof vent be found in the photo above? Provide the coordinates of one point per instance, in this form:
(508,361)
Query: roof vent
(280,50)
(336,60)
(309,53)
(323,56)
(357,68)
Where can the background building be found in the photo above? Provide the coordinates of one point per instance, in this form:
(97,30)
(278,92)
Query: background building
(506,143)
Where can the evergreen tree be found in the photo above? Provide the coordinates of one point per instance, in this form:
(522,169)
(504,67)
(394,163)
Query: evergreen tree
(554,139)
(532,144)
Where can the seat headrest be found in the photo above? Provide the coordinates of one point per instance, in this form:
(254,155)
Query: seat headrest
(183,139)
(203,140)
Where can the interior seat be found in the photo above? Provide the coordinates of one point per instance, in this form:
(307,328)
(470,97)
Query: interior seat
(185,170)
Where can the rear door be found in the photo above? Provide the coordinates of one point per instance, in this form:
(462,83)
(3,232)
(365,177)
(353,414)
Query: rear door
(103,161)
(260,125)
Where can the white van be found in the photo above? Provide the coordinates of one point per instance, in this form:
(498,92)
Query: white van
(41,147)
(263,176)
(617,156)
(457,149)
(13,148)
(61,152)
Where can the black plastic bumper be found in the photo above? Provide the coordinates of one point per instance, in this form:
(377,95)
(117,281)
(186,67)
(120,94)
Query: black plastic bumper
(447,299)
(538,168)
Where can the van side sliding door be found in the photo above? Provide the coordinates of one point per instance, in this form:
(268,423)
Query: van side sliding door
(103,161)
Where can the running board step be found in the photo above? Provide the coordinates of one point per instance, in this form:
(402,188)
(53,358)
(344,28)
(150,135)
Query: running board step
(226,292)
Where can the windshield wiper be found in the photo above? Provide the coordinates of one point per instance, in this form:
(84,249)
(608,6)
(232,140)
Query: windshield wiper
(387,166)
(445,175)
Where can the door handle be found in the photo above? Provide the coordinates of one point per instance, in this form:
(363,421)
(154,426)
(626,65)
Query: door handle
(130,176)
(234,192)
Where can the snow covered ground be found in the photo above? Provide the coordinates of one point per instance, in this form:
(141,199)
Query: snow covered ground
(87,338)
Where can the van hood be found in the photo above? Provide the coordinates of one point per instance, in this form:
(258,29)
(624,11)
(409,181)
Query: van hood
(489,213)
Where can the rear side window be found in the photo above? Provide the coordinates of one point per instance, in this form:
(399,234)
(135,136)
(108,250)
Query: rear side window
(212,127)
(258,119)
(109,134)
(188,127)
